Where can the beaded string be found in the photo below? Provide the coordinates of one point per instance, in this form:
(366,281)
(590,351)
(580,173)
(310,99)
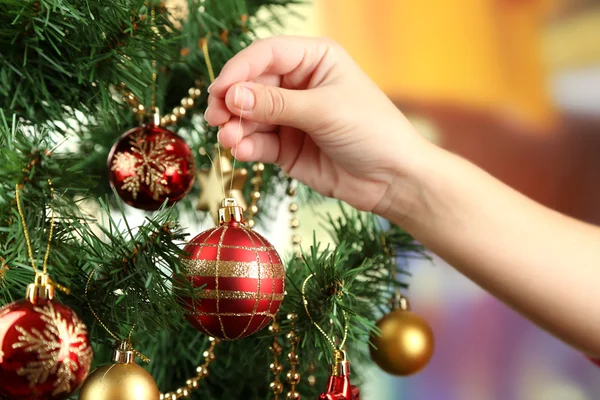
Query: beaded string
(114,336)
(26,232)
(28,239)
(330,340)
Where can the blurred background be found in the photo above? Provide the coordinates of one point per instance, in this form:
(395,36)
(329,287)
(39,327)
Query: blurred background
(513,85)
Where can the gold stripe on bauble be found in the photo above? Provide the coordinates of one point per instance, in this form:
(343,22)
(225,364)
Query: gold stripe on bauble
(233,269)
(235,295)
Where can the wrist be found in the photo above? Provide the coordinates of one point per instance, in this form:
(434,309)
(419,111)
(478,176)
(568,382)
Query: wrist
(405,200)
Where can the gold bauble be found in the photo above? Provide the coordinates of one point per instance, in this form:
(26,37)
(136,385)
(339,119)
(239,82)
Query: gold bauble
(404,345)
(123,380)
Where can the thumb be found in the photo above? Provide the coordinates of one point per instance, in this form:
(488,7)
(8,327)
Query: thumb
(273,105)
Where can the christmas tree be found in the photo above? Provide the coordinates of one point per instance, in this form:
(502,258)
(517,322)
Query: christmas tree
(74,76)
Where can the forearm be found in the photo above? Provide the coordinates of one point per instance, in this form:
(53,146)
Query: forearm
(539,262)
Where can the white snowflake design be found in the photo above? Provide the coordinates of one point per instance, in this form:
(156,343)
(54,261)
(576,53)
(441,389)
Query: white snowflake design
(149,167)
(54,345)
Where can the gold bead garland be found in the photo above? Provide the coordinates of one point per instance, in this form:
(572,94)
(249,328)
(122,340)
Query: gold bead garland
(256,181)
(312,380)
(187,103)
(192,384)
(294,222)
(344,314)
(293,376)
(275,367)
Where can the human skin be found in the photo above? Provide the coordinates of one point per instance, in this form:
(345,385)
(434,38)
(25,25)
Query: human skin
(307,107)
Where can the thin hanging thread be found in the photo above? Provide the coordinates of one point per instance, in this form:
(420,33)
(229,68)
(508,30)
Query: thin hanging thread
(87,286)
(238,138)
(212,163)
(154,71)
(331,342)
(130,333)
(3,269)
(211,75)
(28,240)
(211,72)
(26,232)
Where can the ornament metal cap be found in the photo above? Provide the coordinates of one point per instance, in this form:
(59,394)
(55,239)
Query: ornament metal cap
(40,289)
(156,116)
(400,302)
(230,211)
(341,365)
(152,117)
(123,354)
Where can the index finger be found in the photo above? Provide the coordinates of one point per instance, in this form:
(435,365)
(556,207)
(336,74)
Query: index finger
(279,55)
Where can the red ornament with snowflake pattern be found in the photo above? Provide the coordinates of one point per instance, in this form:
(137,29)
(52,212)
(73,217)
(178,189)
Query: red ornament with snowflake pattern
(242,275)
(44,350)
(150,164)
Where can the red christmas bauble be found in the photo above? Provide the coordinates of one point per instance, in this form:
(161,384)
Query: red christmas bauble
(150,164)
(338,385)
(352,394)
(44,351)
(242,275)
(595,360)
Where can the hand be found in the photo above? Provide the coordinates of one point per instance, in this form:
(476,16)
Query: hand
(309,108)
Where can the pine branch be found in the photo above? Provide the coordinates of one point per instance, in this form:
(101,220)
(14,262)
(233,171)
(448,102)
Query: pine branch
(133,273)
(67,53)
(30,161)
(63,64)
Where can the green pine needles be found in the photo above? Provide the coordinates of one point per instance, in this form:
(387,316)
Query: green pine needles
(63,65)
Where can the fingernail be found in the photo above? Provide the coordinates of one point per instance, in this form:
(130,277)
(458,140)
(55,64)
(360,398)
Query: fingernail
(244,98)
(206,111)
(210,87)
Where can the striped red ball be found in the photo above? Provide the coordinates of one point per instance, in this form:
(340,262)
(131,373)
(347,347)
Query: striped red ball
(243,281)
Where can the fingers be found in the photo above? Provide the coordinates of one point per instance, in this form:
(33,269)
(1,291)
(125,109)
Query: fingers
(262,68)
(302,109)
(277,55)
(216,114)
(232,132)
(269,80)
(259,146)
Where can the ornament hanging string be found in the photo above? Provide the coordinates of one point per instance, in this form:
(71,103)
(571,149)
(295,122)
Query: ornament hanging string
(128,341)
(3,269)
(28,239)
(154,71)
(211,72)
(336,349)
(26,232)
(211,75)
(212,163)
(238,138)
(139,109)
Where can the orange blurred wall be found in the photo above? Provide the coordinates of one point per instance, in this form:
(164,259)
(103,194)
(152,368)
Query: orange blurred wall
(475,69)
(484,54)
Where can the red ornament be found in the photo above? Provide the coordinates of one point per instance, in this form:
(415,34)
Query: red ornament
(595,360)
(338,386)
(242,275)
(150,164)
(44,348)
